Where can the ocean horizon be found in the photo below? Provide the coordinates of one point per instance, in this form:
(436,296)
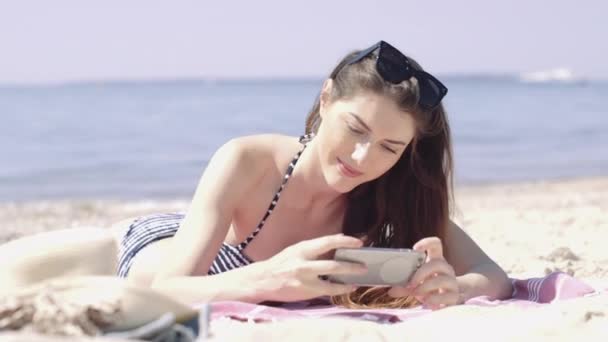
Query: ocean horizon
(152,139)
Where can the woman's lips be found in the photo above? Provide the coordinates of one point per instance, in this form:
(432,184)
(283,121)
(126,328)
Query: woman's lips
(347,170)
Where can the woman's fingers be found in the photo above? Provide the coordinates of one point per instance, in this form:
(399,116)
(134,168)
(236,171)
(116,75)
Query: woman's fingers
(399,291)
(439,284)
(434,283)
(439,300)
(312,249)
(432,246)
(430,269)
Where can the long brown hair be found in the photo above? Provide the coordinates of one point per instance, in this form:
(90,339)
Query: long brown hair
(413,199)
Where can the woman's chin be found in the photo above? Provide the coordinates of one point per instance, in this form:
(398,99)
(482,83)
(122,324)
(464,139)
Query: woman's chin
(340,183)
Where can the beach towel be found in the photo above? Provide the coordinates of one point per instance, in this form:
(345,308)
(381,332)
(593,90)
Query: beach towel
(551,307)
(526,293)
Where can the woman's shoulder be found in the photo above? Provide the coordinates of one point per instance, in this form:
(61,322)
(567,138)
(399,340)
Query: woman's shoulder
(241,163)
(261,151)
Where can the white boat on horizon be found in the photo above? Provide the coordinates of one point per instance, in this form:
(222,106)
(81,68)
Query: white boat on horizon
(564,75)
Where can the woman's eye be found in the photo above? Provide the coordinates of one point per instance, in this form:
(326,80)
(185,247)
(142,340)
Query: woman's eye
(389,149)
(355,130)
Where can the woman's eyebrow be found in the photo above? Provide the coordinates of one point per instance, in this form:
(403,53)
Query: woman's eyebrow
(396,142)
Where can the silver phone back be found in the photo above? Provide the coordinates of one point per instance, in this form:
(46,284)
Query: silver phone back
(386,266)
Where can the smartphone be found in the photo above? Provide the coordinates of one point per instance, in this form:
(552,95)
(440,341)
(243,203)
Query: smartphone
(385,266)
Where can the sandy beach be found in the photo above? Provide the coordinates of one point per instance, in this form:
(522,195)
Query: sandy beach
(530,229)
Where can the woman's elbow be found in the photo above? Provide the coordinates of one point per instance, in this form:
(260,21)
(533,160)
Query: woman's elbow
(503,284)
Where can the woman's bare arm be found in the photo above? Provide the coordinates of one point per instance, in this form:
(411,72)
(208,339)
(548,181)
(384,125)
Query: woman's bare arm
(291,275)
(232,172)
(477,274)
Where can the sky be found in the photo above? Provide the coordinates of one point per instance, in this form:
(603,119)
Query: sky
(66,41)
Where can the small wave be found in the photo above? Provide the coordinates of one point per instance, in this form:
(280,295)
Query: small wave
(562,75)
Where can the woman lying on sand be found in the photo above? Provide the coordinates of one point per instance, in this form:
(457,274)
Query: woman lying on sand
(373,169)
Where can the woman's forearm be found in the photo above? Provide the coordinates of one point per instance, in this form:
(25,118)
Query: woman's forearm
(241,284)
(484,280)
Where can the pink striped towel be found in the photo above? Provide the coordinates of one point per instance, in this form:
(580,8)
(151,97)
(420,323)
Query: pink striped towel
(526,292)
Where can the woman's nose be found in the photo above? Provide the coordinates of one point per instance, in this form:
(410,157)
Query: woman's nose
(360,152)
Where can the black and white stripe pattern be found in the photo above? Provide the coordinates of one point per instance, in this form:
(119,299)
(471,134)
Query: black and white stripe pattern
(142,232)
(147,229)
(304,140)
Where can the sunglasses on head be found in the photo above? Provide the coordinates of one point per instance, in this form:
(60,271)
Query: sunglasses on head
(394,67)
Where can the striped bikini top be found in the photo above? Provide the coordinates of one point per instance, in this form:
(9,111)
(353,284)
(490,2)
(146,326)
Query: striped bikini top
(231,257)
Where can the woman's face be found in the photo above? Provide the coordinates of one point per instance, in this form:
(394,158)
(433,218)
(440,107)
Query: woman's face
(361,138)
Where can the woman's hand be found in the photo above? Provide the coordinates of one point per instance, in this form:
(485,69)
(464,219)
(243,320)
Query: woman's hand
(434,283)
(294,273)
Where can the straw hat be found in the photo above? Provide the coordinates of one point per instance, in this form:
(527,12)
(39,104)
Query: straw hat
(66,252)
(79,265)
(127,306)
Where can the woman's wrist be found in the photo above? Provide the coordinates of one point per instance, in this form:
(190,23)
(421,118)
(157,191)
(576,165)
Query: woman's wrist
(253,284)
(484,280)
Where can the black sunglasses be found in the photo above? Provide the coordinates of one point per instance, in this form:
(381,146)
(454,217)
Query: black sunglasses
(394,67)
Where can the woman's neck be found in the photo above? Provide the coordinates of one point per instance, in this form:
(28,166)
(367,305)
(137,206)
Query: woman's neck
(308,182)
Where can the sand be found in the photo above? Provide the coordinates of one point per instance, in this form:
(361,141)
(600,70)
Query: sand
(530,229)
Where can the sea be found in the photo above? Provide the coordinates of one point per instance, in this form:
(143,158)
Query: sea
(153,139)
